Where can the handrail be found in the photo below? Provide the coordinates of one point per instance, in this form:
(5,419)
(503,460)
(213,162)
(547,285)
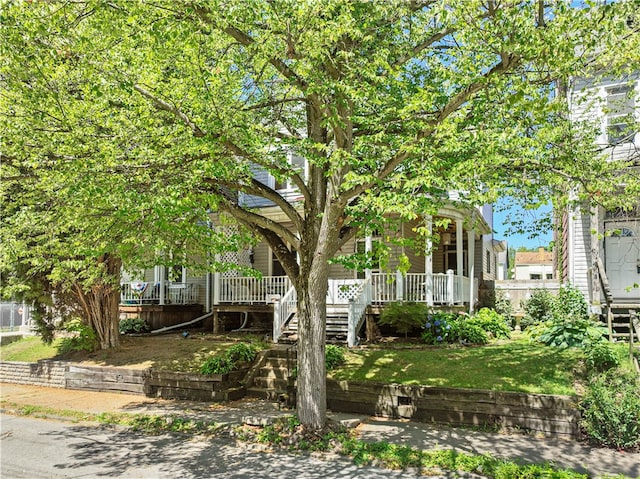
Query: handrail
(283,309)
(634,328)
(357,308)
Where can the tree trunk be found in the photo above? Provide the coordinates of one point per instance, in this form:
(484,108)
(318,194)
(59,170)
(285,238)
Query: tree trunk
(312,312)
(101,303)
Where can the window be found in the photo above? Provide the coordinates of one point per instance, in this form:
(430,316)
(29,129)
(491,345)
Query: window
(549,275)
(488,261)
(535,276)
(298,163)
(619,110)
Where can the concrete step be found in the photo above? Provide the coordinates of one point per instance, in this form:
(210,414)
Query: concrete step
(276,373)
(270,383)
(262,393)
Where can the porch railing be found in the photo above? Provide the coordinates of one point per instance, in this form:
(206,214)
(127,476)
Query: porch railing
(357,309)
(283,311)
(438,288)
(241,289)
(143,292)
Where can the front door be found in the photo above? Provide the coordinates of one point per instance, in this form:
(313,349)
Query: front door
(622,259)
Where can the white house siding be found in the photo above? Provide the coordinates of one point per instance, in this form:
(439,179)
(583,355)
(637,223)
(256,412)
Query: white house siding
(579,242)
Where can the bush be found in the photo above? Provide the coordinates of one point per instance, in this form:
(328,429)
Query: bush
(133,326)
(438,328)
(404,317)
(503,305)
(601,356)
(611,408)
(83,338)
(491,322)
(334,356)
(217,365)
(538,308)
(571,332)
(570,304)
(469,333)
(243,352)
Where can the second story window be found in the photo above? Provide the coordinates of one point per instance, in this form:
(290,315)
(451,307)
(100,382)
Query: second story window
(620,106)
(298,163)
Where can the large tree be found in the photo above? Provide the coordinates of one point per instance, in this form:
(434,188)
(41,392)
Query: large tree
(391,104)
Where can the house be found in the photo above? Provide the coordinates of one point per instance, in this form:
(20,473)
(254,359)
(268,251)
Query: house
(536,265)
(454,273)
(600,249)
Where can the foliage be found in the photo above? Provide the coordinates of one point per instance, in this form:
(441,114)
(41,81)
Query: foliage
(569,333)
(404,316)
(611,408)
(81,338)
(491,322)
(133,326)
(217,365)
(334,356)
(469,333)
(503,305)
(538,308)
(601,356)
(242,352)
(135,135)
(570,304)
(438,328)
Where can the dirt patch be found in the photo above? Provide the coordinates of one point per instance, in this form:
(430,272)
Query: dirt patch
(170,351)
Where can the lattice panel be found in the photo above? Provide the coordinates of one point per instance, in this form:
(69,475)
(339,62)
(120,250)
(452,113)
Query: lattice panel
(241,258)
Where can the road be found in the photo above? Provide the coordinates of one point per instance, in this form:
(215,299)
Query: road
(39,448)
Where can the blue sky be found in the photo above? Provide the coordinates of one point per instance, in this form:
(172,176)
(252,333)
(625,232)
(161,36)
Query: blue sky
(501,226)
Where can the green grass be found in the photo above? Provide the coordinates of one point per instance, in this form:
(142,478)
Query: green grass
(29,349)
(517,366)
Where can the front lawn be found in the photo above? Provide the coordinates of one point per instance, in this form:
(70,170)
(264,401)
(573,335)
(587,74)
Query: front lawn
(516,365)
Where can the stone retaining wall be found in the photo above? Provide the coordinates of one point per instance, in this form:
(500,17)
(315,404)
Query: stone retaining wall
(42,373)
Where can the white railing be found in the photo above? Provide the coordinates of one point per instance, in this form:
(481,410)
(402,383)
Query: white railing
(283,311)
(438,288)
(245,289)
(144,292)
(357,309)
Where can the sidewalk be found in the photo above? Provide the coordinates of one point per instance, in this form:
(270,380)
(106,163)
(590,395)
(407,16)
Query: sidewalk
(526,449)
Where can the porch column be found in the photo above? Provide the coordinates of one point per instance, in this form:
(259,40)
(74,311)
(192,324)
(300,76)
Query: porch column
(159,278)
(458,295)
(207,293)
(428,262)
(471,256)
(216,283)
(368,247)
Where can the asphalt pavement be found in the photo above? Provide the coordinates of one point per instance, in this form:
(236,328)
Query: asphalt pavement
(564,453)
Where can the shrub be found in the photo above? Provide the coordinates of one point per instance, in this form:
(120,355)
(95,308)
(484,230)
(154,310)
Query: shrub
(491,322)
(538,308)
(404,317)
(503,305)
(243,352)
(601,356)
(133,326)
(611,408)
(438,328)
(217,365)
(571,332)
(334,356)
(83,338)
(569,304)
(469,333)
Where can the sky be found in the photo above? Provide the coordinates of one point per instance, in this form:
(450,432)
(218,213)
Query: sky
(501,226)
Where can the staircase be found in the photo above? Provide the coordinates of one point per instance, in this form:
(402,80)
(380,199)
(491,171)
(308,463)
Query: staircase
(618,320)
(270,377)
(337,325)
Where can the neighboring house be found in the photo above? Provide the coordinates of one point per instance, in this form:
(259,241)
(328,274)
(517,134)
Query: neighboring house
(600,250)
(453,274)
(534,266)
(502,259)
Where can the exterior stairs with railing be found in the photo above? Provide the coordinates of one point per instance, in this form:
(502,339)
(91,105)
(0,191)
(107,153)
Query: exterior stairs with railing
(337,325)
(270,375)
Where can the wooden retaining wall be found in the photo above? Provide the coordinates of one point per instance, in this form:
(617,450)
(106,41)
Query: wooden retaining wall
(106,379)
(556,415)
(196,387)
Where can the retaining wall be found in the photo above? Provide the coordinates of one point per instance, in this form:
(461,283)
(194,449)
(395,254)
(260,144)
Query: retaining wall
(42,373)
